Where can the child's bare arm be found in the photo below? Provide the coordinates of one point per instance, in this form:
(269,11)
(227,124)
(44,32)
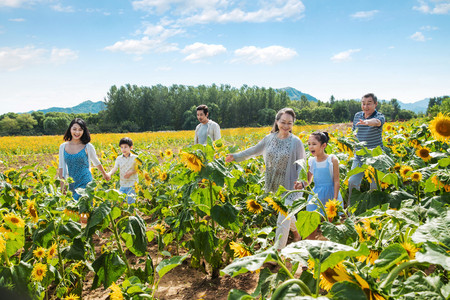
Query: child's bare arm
(336,182)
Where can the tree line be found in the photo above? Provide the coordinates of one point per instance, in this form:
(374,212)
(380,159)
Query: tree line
(132,108)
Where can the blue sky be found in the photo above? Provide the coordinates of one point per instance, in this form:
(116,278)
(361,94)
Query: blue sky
(61,53)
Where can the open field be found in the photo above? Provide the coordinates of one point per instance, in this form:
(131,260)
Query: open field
(202,228)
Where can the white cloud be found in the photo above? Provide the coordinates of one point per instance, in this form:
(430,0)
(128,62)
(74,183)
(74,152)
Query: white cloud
(178,6)
(199,51)
(269,11)
(161,32)
(224,11)
(364,15)
(269,55)
(344,55)
(15,3)
(59,8)
(17,20)
(429,28)
(60,56)
(142,46)
(440,7)
(418,37)
(12,59)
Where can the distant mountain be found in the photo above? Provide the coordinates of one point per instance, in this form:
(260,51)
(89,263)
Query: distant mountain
(84,107)
(295,94)
(417,107)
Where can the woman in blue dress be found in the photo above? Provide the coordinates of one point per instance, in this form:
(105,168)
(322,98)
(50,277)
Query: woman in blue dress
(323,170)
(75,156)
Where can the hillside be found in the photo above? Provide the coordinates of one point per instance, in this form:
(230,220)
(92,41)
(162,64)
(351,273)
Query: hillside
(295,94)
(417,107)
(84,107)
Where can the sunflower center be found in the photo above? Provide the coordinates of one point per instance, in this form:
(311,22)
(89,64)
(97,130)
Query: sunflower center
(443,128)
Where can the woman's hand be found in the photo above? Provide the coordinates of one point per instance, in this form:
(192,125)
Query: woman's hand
(298,185)
(229,158)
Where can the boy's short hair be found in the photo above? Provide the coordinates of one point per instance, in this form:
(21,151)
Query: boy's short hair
(126,140)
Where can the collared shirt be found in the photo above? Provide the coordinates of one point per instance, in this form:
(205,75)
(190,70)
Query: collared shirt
(125,164)
(372,135)
(213,131)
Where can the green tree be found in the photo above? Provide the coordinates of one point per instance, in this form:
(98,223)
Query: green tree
(26,122)
(9,126)
(396,106)
(387,110)
(56,125)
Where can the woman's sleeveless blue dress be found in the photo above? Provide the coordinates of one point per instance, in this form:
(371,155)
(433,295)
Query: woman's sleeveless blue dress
(78,168)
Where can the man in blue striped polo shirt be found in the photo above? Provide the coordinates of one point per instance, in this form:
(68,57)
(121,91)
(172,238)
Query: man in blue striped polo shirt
(369,124)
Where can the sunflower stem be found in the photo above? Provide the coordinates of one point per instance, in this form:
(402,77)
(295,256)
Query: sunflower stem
(277,293)
(119,244)
(212,204)
(317,272)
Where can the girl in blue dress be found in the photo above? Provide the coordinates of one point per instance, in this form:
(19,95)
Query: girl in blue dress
(323,170)
(75,156)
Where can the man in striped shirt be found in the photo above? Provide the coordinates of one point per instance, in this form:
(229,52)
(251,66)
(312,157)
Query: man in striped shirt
(369,124)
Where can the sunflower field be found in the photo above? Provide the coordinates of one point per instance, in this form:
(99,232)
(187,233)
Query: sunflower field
(389,243)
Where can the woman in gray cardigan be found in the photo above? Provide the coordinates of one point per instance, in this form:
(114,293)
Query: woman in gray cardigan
(280,150)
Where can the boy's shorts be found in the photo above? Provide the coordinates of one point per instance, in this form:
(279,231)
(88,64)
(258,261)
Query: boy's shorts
(131,193)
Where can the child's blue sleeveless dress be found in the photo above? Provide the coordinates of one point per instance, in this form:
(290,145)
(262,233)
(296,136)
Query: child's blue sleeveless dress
(78,168)
(323,182)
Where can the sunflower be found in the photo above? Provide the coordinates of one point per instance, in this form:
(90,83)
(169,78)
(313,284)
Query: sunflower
(275,206)
(163,176)
(447,188)
(411,249)
(71,297)
(359,229)
(254,207)
(388,127)
(369,173)
(39,252)
(147,178)
(397,167)
(218,144)
(159,228)
(440,127)
(32,211)
(437,182)
(331,275)
(415,143)
(384,185)
(367,227)
(404,170)
(222,196)
(39,272)
(373,256)
(168,152)
(416,176)
(366,288)
(12,219)
(331,208)
(191,161)
(239,250)
(52,251)
(116,292)
(423,153)
(2,243)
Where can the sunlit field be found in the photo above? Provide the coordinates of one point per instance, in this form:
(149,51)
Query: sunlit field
(389,243)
